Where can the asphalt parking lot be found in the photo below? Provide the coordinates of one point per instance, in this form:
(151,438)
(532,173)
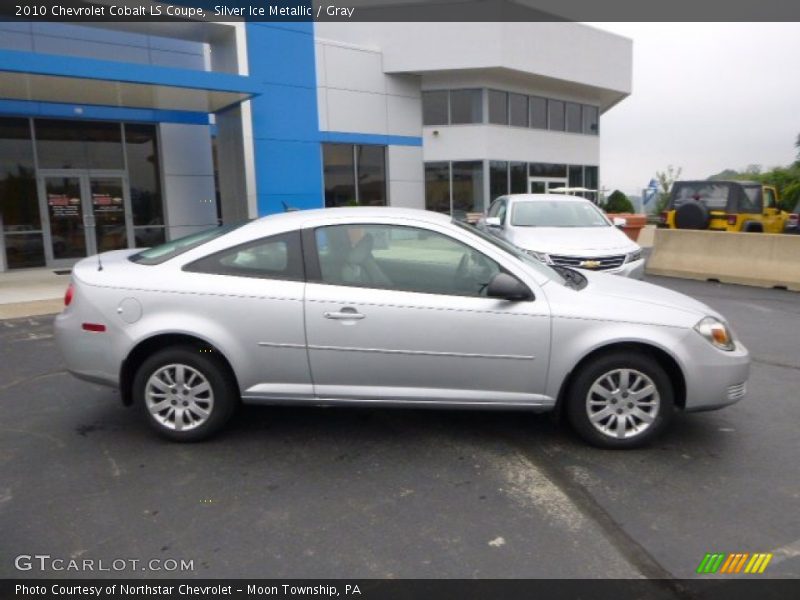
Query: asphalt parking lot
(303,492)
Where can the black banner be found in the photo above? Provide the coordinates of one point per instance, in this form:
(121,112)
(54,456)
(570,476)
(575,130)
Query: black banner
(366,589)
(88,11)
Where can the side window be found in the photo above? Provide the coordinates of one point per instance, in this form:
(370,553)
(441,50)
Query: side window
(498,210)
(769,198)
(276,257)
(402,258)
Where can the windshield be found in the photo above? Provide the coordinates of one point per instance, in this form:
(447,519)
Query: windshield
(557,213)
(513,251)
(159,254)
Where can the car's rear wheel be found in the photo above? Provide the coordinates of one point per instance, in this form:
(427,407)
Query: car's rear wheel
(620,400)
(186,393)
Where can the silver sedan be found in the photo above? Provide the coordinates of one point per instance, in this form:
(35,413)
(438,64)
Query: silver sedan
(388,307)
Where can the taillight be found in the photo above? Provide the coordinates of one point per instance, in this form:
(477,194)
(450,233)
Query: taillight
(731,219)
(68,295)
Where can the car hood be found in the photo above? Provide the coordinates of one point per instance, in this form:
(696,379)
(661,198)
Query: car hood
(623,299)
(586,241)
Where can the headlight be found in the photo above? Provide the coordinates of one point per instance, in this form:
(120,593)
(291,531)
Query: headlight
(716,332)
(540,256)
(634,256)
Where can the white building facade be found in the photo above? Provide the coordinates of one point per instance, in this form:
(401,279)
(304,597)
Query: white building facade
(125,134)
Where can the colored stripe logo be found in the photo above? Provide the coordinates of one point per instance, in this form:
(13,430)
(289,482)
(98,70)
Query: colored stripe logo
(733,563)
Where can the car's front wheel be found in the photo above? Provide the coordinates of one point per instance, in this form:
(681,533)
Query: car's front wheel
(620,400)
(186,393)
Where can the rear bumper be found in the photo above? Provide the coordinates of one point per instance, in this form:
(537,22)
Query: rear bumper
(88,355)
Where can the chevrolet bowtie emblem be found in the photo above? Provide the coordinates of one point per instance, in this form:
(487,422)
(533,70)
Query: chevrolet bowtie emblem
(590,264)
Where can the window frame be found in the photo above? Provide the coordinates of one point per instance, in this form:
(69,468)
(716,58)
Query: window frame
(294,241)
(314,270)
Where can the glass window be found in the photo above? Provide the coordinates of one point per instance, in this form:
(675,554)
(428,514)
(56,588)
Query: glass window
(437,187)
(434,108)
(19,206)
(403,259)
(467,187)
(466,106)
(276,257)
(173,248)
(371,169)
(498,178)
(573,112)
(590,179)
(78,144)
(518,172)
(547,170)
(538,112)
(575,176)
(340,175)
(769,198)
(557,213)
(354,175)
(518,110)
(591,120)
(141,145)
(498,107)
(555,112)
(498,209)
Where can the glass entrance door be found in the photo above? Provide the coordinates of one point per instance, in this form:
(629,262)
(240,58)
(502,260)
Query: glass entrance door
(85,212)
(544,185)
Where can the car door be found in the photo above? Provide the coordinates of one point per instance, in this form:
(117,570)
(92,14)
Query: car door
(253,292)
(399,313)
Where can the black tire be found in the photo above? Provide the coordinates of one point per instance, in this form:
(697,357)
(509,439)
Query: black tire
(209,365)
(692,215)
(578,409)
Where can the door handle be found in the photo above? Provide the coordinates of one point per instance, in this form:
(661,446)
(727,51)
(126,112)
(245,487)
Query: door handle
(346,314)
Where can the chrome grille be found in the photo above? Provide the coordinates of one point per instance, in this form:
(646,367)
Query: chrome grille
(737,392)
(603,262)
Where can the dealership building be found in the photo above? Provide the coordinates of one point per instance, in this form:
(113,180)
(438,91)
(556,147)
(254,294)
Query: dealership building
(116,135)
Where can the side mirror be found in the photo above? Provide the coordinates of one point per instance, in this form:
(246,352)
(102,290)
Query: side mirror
(619,222)
(493,222)
(508,287)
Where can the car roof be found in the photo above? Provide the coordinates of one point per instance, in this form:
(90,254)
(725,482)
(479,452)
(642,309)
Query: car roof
(712,181)
(359,212)
(544,197)
(318,216)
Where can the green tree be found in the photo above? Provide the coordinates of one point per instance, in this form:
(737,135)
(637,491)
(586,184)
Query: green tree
(665,180)
(797,145)
(618,203)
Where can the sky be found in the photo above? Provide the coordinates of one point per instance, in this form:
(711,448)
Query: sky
(706,97)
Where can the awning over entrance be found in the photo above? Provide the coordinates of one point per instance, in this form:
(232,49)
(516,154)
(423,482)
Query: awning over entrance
(50,78)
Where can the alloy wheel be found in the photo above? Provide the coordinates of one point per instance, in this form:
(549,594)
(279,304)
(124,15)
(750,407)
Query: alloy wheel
(623,403)
(179,397)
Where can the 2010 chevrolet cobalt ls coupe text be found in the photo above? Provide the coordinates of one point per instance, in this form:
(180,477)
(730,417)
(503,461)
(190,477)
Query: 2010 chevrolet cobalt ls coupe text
(384,306)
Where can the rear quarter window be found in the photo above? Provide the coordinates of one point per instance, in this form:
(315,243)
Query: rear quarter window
(276,257)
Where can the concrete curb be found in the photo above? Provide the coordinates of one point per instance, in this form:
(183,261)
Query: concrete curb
(31,309)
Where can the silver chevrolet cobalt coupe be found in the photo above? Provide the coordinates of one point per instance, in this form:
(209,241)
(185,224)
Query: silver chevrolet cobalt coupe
(388,307)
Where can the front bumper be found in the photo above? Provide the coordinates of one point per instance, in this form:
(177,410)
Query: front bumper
(714,378)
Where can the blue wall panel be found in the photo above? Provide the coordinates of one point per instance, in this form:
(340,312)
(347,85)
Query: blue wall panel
(288,158)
